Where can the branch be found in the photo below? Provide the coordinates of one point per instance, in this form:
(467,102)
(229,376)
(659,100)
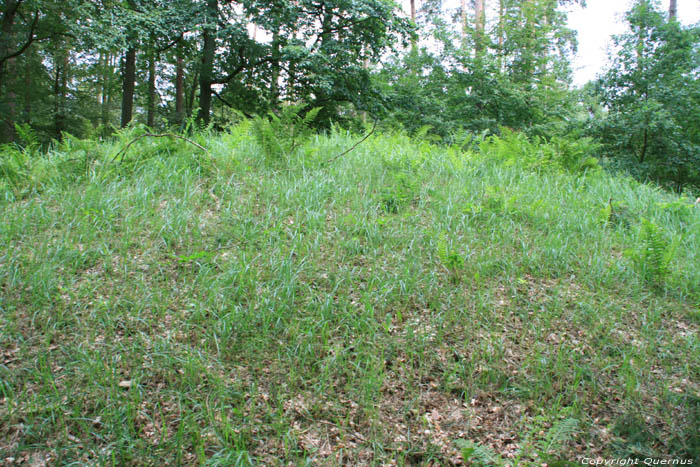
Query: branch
(172,43)
(153,135)
(30,39)
(338,156)
(228,104)
(240,68)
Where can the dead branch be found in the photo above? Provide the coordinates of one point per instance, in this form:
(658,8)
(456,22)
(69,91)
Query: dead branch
(156,135)
(337,156)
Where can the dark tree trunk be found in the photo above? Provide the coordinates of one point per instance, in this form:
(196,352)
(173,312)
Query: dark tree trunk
(28,89)
(106,90)
(129,78)
(189,105)
(60,95)
(8,19)
(207,65)
(151,118)
(274,79)
(179,87)
(128,86)
(7,98)
(643,152)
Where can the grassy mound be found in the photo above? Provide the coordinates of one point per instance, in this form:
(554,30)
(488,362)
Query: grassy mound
(407,302)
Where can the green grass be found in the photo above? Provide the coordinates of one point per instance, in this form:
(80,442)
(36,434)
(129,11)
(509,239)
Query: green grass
(407,303)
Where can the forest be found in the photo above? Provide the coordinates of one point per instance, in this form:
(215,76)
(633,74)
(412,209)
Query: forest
(87,68)
(347,232)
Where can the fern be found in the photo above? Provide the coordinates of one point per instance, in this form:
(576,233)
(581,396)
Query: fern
(279,136)
(477,454)
(451,259)
(653,258)
(559,434)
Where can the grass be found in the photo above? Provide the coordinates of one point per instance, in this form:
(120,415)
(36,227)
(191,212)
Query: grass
(411,303)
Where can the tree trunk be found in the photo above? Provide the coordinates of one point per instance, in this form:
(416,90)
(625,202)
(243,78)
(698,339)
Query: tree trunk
(104,104)
(179,87)
(28,89)
(645,142)
(151,116)
(6,36)
(8,98)
(129,79)
(274,79)
(189,104)
(207,66)
(673,10)
(413,18)
(479,27)
(464,22)
(60,94)
(128,86)
(501,33)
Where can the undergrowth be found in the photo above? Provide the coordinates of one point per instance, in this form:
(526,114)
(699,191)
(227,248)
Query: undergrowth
(409,303)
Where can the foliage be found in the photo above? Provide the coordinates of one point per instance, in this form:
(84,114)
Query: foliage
(558,154)
(653,256)
(398,191)
(616,213)
(519,79)
(450,258)
(539,444)
(241,312)
(279,136)
(652,93)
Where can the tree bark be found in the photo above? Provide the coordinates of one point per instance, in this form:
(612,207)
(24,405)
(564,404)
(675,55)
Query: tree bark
(106,85)
(8,98)
(645,142)
(274,79)
(60,94)
(480,26)
(179,87)
(501,33)
(6,37)
(151,115)
(464,22)
(207,65)
(128,86)
(28,89)
(413,18)
(673,10)
(189,104)
(129,78)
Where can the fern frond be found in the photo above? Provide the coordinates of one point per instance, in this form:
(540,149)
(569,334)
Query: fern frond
(559,434)
(311,116)
(477,454)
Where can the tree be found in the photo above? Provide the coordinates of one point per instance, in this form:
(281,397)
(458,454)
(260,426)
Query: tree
(652,93)
(514,75)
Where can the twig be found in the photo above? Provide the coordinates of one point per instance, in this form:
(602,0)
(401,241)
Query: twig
(154,135)
(337,156)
